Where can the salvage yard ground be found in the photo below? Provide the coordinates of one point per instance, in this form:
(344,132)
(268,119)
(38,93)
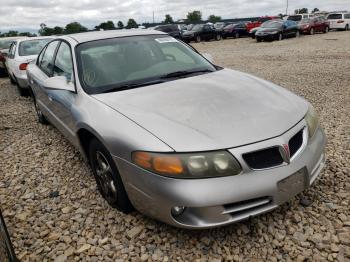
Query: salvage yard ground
(53,210)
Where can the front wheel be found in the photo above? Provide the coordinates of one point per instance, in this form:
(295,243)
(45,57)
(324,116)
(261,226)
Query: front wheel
(198,39)
(312,31)
(297,34)
(326,30)
(218,37)
(108,180)
(236,35)
(347,28)
(258,39)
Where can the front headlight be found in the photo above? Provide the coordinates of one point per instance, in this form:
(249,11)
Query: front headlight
(274,32)
(311,120)
(188,165)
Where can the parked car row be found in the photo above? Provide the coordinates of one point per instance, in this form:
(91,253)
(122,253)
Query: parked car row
(292,25)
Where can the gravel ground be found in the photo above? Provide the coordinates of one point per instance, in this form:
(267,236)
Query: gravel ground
(54,212)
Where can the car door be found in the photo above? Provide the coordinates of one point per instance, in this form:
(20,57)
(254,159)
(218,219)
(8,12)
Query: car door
(206,32)
(10,58)
(41,72)
(62,101)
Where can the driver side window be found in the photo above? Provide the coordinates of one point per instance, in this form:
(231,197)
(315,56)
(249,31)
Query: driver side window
(63,64)
(46,63)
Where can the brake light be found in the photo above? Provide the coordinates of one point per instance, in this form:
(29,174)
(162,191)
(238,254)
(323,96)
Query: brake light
(2,58)
(23,66)
(340,21)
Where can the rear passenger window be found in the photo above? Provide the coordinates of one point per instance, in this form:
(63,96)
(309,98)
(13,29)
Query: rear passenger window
(63,63)
(347,16)
(46,63)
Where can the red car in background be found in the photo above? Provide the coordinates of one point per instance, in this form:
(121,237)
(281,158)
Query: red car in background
(312,25)
(261,20)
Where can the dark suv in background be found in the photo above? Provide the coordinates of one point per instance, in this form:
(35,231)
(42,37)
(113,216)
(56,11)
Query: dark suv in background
(172,30)
(235,30)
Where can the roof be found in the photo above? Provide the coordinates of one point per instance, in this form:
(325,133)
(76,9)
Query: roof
(96,35)
(34,38)
(12,38)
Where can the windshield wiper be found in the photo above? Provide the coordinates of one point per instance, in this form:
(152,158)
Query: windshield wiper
(132,85)
(185,72)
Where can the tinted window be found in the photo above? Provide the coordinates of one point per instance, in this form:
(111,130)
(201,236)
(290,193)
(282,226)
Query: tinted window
(121,61)
(63,62)
(13,50)
(347,16)
(46,64)
(271,24)
(41,56)
(197,27)
(335,16)
(32,47)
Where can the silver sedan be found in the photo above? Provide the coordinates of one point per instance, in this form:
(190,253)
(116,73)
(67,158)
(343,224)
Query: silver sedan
(173,135)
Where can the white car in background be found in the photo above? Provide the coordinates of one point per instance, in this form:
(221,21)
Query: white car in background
(21,53)
(5,43)
(339,20)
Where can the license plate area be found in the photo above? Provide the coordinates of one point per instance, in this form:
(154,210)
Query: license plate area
(291,186)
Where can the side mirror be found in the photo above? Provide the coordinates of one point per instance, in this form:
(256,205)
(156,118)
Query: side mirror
(209,57)
(59,83)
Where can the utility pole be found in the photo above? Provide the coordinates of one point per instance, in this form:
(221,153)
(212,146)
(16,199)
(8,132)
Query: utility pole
(153,16)
(287,8)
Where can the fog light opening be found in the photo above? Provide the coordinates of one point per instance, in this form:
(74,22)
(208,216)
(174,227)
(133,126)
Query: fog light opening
(177,210)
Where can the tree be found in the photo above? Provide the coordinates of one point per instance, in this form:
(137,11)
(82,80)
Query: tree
(168,19)
(120,25)
(27,34)
(109,25)
(57,30)
(46,31)
(195,16)
(213,19)
(315,10)
(74,27)
(301,11)
(132,23)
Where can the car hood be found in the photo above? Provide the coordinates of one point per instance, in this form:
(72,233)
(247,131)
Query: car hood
(191,32)
(218,110)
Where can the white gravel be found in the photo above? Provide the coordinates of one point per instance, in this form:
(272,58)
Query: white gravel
(54,212)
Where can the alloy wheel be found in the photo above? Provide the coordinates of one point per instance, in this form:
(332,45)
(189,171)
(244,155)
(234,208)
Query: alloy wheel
(198,39)
(237,35)
(312,31)
(105,180)
(280,37)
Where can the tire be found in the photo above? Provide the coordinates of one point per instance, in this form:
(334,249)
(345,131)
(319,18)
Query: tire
(297,34)
(312,31)
(326,30)
(198,39)
(347,28)
(253,36)
(237,35)
(280,37)
(218,37)
(3,72)
(108,180)
(41,118)
(22,91)
(258,39)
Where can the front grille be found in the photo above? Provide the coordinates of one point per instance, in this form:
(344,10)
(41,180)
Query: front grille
(295,143)
(265,158)
(242,207)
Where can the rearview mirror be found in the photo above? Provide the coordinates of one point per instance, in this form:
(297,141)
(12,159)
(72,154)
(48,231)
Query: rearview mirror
(59,83)
(209,57)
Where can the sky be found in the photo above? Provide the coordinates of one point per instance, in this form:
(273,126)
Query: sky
(24,15)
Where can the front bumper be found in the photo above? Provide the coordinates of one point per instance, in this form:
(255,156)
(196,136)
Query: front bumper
(188,38)
(219,201)
(266,36)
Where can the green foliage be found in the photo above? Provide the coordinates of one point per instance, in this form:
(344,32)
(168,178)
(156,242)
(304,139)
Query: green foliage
(74,27)
(315,10)
(16,33)
(195,16)
(168,19)
(120,25)
(109,25)
(131,24)
(214,18)
(301,11)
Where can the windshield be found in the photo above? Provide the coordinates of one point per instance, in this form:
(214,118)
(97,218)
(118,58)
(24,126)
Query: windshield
(32,47)
(295,18)
(219,25)
(335,16)
(5,44)
(271,24)
(111,63)
(305,21)
(197,27)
